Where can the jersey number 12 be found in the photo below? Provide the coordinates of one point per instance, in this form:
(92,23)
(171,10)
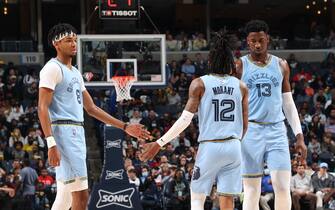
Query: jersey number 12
(227,106)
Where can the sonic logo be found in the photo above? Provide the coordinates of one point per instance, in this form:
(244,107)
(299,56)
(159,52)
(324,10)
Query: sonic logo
(120,198)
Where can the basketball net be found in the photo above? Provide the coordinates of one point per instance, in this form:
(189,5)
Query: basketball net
(122,86)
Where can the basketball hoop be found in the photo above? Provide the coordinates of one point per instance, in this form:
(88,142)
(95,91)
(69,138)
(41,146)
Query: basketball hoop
(122,86)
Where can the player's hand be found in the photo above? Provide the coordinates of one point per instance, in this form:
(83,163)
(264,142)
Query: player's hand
(54,156)
(138,131)
(300,146)
(150,150)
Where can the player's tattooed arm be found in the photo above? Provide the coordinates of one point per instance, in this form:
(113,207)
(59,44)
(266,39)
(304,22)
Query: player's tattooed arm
(291,111)
(245,106)
(196,90)
(239,68)
(195,93)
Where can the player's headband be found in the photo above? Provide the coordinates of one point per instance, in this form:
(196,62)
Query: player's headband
(61,36)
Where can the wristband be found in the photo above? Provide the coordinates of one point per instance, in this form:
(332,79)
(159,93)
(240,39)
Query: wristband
(125,126)
(50,141)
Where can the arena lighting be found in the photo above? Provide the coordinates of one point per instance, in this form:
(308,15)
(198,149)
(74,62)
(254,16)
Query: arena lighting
(319,12)
(5,11)
(307,6)
(325,1)
(313,2)
(324,8)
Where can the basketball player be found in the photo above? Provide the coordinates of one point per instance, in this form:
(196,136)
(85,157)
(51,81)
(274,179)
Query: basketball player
(267,78)
(221,101)
(62,96)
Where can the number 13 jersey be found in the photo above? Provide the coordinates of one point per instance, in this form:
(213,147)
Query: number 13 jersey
(265,90)
(220,109)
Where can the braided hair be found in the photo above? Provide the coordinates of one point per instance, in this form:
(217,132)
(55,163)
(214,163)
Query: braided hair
(221,59)
(59,29)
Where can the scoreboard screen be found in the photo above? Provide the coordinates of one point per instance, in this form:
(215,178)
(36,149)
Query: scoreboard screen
(119,9)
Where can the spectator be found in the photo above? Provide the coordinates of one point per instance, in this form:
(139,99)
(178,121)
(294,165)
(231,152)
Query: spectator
(18,153)
(34,137)
(323,184)
(173,97)
(314,146)
(171,44)
(45,179)
(302,188)
(29,180)
(181,139)
(199,43)
(331,101)
(266,190)
(148,190)
(15,136)
(200,64)
(177,193)
(133,179)
(328,144)
(188,68)
(316,126)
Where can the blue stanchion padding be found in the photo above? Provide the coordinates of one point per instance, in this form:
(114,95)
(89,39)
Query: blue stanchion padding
(114,192)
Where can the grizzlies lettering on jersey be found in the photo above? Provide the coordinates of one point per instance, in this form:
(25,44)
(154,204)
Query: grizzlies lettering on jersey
(220,109)
(265,90)
(67,101)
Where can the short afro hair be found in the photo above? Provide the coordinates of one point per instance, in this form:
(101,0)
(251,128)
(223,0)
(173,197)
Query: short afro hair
(58,29)
(256,26)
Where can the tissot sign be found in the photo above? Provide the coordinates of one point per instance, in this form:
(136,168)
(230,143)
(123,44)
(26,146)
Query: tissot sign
(119,9)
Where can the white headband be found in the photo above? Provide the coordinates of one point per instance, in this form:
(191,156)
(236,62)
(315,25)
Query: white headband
(62,36)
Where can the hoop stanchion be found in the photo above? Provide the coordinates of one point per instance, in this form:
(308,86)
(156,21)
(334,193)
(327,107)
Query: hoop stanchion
(114,192)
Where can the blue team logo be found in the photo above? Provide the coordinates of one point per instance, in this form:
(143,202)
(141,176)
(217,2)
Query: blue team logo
(74,132)
(120,198)
(196,173)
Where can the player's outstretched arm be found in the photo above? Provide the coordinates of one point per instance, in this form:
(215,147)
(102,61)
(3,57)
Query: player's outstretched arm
(290,110)
(44,101)
(196,91)
(135,130)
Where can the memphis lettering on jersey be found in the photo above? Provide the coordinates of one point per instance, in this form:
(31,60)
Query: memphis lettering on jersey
(257,76)
(74,80)
(120,198)
(223,90)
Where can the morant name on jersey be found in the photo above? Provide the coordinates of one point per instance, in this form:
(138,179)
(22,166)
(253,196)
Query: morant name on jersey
(223,90)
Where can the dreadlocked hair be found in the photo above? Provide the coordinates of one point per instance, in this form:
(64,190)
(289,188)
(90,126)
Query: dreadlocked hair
(59,29)
(221,59)
(256,26)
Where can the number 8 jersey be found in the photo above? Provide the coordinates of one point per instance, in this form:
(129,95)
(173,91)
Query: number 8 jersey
(220,109)
(68,85)
(265,90)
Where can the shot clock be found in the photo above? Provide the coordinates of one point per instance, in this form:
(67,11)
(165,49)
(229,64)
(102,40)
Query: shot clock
(119,9)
